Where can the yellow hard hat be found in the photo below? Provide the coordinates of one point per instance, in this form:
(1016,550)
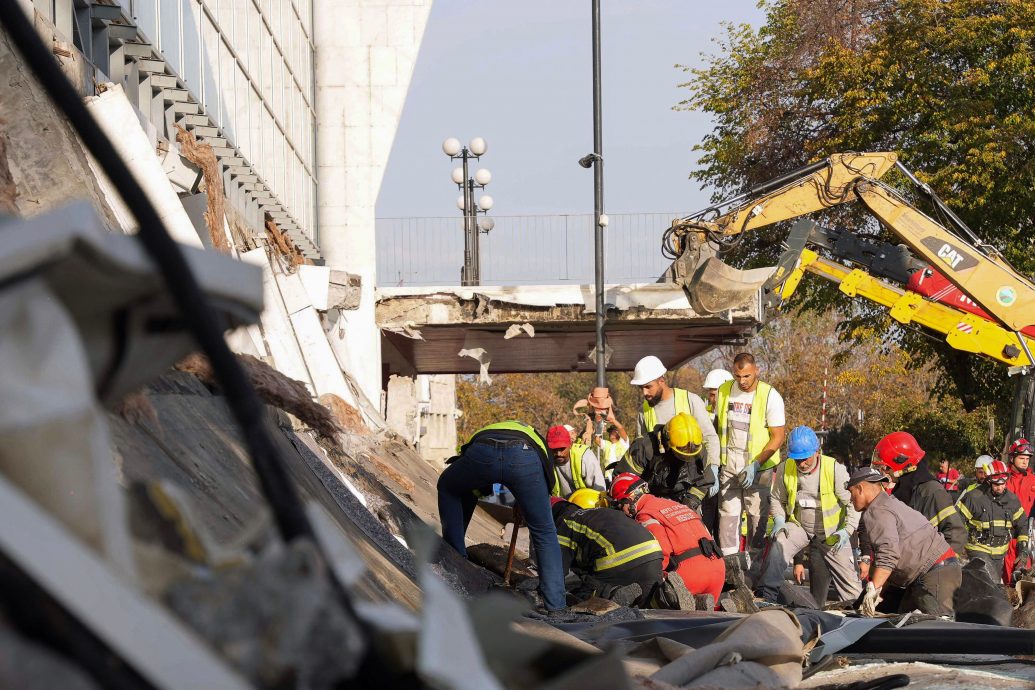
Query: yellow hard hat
(683,436)
(588,498)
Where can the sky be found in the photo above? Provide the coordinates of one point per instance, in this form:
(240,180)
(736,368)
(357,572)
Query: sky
(519,74)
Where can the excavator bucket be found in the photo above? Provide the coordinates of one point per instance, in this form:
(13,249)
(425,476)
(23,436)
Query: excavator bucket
(716,287)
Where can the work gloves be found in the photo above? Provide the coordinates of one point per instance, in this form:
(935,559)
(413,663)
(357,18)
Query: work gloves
(842,538)
(870,599)
(711,477)
(747,475)
(779,525)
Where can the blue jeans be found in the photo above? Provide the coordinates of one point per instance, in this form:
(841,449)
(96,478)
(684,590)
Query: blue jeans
(517,466)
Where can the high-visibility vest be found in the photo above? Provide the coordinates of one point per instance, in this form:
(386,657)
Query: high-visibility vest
(577,482)
(650,417)
(834,514)
(513,425)
(758,432)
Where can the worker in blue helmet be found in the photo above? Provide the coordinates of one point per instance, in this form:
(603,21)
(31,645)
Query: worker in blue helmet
(810,504)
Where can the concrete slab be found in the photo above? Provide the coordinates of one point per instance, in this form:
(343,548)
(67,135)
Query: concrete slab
(427,327)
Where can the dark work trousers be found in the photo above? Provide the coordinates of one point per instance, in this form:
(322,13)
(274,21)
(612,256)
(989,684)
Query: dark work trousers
(646,572)
(931,593)
(516,465)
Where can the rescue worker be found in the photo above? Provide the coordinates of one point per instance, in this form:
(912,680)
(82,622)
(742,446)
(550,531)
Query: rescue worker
(614,447)
(909,554)
(750,423)
(1022,484)
(714,379)
(608,549)
(898,455)
(949,478)
(514,454)
(689,553)
(661,402)
(811,504)
(980,472)
(575,465)
(994,516)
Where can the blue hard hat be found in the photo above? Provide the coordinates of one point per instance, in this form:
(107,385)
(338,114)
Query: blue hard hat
(802,443)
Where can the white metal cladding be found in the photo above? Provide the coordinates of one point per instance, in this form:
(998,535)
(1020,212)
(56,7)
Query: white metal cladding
(248,63)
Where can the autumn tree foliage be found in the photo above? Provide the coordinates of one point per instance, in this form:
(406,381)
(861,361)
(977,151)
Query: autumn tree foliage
(948,85)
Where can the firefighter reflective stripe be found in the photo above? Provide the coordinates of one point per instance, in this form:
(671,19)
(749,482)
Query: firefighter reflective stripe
(834,514)
(613,558)
(991,550)
(943,515)
(758,431)
(650,521)
(577,482)
(966,491)
(566,543)
(650,418)
(626,555)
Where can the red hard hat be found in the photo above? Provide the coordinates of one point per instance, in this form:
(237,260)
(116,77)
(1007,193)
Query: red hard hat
(554,500)
(625,485)
(997,469)
(897,451)
(1021,446)
(558,437)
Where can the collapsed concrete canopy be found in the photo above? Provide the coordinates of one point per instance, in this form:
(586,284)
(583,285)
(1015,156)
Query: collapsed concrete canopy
(424,330)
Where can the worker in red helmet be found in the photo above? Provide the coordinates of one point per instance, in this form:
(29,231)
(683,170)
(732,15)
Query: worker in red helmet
(1022,483)
(898,455)
(575,465)
(609,551)
(692,561)
(994,516)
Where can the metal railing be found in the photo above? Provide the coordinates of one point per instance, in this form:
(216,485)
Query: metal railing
(522,250)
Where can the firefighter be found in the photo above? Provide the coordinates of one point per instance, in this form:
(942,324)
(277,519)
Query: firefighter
(609,550)
(811,504)
(1022,484)
(980,472)
(691,559)
(994,516)
(898,455)
(913,566)
(575,465)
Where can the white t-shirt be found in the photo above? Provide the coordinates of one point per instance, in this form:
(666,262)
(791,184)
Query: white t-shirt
(738,415)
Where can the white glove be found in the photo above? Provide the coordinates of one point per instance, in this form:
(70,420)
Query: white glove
(871,598)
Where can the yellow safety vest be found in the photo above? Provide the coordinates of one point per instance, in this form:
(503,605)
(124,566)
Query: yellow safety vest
(513,425)
(834,514)
(758,432)
(650,417)
(577,451)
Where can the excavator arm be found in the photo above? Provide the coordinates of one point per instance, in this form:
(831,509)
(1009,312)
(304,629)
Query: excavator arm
(976,269)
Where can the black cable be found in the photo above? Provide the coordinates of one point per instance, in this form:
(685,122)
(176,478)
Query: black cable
(198,314)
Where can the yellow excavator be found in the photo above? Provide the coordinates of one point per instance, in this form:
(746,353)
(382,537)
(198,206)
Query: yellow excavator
(959,286)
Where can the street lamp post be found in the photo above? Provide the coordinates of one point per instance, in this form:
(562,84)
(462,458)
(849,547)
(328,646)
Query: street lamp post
(475,149)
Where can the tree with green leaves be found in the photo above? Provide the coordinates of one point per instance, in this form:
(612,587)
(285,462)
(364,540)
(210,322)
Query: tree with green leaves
(948,85)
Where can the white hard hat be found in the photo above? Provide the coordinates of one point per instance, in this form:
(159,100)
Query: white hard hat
(569,428)
(717,377)
(647,369)
(983,461)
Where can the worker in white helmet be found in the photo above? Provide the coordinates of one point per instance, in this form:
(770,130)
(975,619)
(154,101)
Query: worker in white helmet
(714,379)
(662,402)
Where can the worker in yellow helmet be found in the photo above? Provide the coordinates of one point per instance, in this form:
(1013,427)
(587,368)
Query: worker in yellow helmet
(675,466)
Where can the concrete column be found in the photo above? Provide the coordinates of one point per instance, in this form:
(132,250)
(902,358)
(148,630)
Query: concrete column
(365,54)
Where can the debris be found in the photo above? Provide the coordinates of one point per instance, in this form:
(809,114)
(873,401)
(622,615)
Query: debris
(1024,614)
(482,357)
(275,389)
(517,329)
(283,244)
(347,416)
(8,189)
(278,621)
(135,408)
(200,154)
(597,606)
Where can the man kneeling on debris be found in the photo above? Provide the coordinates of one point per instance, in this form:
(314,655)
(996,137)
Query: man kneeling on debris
(912,565)
(810,503)
(618,558)
(692,562)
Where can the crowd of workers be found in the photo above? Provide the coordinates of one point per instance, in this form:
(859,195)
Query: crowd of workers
(653,522)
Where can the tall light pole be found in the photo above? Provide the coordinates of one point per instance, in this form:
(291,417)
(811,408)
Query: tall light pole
(471,272)
(595,160)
